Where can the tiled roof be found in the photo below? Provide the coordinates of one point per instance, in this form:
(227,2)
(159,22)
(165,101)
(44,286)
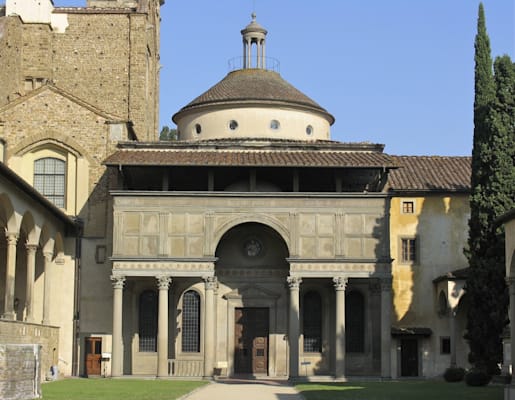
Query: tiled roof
(254,85)
(461,273)
(257,158)
(430,173)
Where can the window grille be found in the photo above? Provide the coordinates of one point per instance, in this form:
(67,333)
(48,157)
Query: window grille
(148,321)
(49,179)
(312,317)
(191,322)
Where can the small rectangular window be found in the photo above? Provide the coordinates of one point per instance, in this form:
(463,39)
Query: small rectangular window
(409,250)
(445,345)
(408,207)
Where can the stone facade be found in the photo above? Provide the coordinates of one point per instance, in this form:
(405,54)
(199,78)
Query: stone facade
(260,247)
(20,371)
(108,58)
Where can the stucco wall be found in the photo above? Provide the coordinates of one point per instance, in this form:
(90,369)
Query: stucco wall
(440,225)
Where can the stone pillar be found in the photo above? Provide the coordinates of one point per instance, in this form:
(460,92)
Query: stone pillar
(294,325)
(452,322)
(29,291)
(47,294)
(511,285)
(10,276)
(163,284)
(209,331)
(340,284)
(117,355)
(386,327)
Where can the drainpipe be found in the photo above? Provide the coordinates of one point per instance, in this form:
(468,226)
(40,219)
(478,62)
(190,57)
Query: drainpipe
(76,297)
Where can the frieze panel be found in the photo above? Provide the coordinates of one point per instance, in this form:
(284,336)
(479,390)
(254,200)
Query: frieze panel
(340,268)
(163,266)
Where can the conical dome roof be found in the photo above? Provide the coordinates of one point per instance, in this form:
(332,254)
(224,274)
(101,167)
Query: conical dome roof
(254,86)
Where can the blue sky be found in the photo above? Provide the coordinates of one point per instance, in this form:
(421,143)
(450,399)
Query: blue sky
(398,72)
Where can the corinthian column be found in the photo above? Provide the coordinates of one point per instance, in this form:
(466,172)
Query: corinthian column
(163,284)
(117,361)
(294,324)
(29,291)
(209,333)
(340,284)
(10,276)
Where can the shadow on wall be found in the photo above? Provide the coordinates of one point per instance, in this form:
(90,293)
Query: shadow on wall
(439,238)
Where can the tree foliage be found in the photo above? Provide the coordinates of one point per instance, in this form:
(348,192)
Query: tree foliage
(168,133)
(493,188)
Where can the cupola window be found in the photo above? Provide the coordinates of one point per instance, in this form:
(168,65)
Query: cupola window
(309,130)
(275,125)
(233,125)
(198,129)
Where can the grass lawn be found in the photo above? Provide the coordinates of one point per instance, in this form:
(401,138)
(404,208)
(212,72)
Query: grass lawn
(405,390)
(117,389)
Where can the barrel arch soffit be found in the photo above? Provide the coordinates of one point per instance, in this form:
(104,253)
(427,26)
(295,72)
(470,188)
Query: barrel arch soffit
(68,144)
(260,219)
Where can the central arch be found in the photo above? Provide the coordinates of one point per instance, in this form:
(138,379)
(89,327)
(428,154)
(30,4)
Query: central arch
(252,265)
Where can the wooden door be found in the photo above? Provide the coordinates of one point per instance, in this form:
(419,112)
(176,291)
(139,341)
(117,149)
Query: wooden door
(409,357)
(93,355)
(251,341)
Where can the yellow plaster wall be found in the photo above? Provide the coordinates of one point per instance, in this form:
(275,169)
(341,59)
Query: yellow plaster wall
(440,225)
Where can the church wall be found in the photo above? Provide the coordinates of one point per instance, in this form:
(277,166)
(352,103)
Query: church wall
(10,58)
(439,224)
(108,59)
(183,226)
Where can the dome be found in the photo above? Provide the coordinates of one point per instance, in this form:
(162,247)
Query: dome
(254,86)
(253,102)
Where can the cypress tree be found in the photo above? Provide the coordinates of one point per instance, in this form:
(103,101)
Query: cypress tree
(493,188)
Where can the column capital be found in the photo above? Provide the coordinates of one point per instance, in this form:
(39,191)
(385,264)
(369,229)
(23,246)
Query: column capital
(163,282)
(340,282)
(294,282)
(211,282)
(31,248)
(386,284)
(12,238)
(48,255)
(117,281)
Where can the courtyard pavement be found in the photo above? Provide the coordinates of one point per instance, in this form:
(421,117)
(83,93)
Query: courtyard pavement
(235,389)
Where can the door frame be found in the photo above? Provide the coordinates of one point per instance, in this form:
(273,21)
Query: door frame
(246,312)
(417,342)
(253,297)
(88,339)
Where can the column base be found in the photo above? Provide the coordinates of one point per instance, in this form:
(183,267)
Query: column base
(11,316)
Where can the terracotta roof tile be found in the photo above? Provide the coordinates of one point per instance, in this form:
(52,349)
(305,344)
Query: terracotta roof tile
(251,86)
(430,173)
(258,158)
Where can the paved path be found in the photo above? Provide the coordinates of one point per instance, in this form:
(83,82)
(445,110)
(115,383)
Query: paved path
(233,389)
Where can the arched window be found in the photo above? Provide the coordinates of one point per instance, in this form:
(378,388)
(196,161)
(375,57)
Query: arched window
(148,321)
(355,322)
(49,179)
(191,322)
(312,317)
